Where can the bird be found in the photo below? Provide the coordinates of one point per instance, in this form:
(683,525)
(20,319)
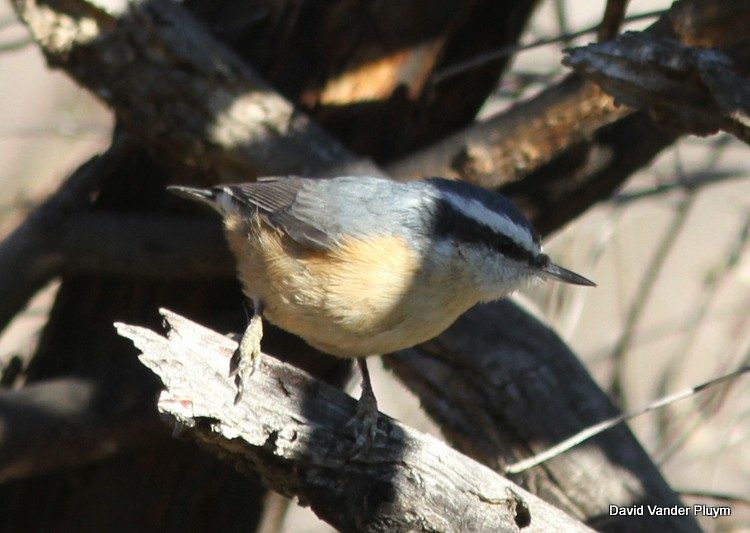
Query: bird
(359,266)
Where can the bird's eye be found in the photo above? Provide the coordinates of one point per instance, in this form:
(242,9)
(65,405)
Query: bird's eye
(541,261)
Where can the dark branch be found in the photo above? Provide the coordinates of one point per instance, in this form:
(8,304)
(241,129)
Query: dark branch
(30,256)
(697,90)
(65,236)
(614,15)
(60,424)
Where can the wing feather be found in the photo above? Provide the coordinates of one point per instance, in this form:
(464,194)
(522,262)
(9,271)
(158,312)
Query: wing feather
(275,198)
(319,213)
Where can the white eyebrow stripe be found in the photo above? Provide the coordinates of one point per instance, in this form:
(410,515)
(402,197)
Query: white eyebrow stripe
(476,210)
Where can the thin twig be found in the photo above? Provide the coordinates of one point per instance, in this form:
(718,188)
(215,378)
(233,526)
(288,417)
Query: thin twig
(716,496)
(496,55)
(694,181)
(563,22)
(16,45)
(596,429)
(713,284)
(614,16)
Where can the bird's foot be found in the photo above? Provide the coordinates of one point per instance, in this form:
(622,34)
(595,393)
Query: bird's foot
(246,358)
(365,419)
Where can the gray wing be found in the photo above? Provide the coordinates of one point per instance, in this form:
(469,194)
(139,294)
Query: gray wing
(269,194)
(273,198)
(317,213)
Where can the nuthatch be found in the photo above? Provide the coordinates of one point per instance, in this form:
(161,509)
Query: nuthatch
(361,266)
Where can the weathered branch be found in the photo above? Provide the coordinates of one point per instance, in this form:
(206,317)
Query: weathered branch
(188,99)
(697,90)
(507,147)
(288,433)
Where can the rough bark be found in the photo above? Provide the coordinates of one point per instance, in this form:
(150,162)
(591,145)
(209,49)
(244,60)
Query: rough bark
(290,433)
(695,89)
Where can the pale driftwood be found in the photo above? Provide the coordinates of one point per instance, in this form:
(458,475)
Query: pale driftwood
(288,431)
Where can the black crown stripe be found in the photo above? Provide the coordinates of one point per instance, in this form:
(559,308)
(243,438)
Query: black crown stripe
(451,223)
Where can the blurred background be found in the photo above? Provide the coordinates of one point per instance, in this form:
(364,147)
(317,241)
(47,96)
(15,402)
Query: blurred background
(669,253)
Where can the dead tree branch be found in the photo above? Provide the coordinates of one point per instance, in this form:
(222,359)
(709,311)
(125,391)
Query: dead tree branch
(288,433)
(697,90)
(190,100)
(509,146)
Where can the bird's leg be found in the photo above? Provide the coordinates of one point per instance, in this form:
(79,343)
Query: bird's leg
(366,416)
(246,357)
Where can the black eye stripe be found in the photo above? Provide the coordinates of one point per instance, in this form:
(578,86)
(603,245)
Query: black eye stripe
(451,223)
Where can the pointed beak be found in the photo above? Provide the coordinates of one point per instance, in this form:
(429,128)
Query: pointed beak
(552,271)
